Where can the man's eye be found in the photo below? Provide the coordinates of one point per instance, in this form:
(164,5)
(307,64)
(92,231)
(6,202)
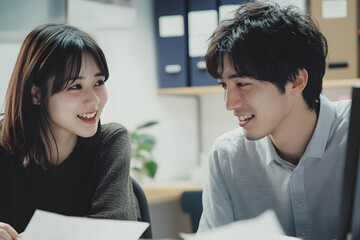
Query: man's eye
(241,84)
(75,87)
(100,83)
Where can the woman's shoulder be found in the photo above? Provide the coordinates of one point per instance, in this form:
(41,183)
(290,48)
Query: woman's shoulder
(113,129)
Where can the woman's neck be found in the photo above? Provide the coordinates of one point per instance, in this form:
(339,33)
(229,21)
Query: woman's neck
(64,145)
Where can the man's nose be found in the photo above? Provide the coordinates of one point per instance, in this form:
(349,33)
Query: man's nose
(232,99)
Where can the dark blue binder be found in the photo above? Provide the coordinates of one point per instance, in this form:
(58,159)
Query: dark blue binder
(171,45)
(203,13)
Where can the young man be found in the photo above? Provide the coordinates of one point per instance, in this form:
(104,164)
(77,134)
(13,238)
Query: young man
(289,153)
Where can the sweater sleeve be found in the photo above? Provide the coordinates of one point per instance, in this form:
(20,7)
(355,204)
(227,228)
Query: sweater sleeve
(113,196)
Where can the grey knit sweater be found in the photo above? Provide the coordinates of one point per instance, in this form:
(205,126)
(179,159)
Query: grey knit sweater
(93,181)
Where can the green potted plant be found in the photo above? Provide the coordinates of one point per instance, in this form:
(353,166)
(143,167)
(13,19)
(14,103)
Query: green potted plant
(142,145)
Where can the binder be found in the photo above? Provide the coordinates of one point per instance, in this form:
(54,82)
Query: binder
(172,37)
(202,21)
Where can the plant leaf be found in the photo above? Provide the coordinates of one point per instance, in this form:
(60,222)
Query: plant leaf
(150,168)
(146,142)
(133,136)
(140,157)
(147,124)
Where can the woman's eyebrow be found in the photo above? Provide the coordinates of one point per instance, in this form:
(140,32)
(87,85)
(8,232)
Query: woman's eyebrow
(99,74)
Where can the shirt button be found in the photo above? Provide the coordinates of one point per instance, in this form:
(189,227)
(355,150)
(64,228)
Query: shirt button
(303,234)
(299,205)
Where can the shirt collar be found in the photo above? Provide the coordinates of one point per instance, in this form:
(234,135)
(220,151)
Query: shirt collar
(317,144)
(271,153)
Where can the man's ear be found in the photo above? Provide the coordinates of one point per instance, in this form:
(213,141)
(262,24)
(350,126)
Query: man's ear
(35,94)
(300,82)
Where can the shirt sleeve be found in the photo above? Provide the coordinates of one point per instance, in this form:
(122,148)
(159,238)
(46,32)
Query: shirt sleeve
(217,204)
(113,196)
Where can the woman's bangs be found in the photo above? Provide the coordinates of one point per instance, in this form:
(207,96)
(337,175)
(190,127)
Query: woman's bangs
(100,60)
(67,72)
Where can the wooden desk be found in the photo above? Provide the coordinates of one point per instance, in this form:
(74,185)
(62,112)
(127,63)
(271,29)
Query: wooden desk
(167,191)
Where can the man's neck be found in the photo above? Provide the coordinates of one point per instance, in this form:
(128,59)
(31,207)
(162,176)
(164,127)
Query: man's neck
(292,139)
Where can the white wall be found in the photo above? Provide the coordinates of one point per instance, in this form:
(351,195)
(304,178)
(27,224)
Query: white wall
(8,55)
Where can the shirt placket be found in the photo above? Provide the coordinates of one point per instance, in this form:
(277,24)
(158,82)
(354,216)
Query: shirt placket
(299,204)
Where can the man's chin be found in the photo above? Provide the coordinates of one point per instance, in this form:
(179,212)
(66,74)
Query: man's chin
(252,136)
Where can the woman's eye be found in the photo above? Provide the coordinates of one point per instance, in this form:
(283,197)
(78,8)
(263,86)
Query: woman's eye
(222,84)
(75,87)
(100,83)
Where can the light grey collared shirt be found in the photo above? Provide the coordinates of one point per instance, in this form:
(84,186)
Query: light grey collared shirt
(248,177)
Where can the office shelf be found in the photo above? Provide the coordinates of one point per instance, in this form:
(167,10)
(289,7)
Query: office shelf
(196,91)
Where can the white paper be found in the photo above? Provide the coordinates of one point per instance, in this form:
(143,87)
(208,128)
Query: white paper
(171,26)
(265,226)
(45,226)
(334,9)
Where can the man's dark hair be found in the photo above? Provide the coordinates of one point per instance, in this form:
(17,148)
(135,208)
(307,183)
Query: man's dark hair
(270,43)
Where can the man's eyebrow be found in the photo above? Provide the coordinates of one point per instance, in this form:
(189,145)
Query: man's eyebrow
(232,76)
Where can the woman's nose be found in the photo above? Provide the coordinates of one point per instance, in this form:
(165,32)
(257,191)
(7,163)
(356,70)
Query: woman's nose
(91,98)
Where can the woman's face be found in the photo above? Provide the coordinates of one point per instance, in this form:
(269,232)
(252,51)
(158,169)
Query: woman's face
(76,110)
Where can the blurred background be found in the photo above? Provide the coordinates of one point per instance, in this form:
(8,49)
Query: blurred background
(144,85)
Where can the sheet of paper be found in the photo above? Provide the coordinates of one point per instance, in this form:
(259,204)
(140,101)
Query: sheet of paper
(265,226)
(45,225)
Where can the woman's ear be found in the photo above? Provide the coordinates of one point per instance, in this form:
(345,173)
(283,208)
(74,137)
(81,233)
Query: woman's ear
(300,81)
(35,95)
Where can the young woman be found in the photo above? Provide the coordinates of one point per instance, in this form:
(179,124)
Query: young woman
(54,154)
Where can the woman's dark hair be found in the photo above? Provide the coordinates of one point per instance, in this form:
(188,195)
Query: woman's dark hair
(270,43)
(51,52)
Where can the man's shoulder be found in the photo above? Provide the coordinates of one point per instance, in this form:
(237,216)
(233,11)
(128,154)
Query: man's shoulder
(338,119)
(342,109)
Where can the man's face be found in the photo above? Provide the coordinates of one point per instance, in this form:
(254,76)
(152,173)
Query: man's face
(259,106)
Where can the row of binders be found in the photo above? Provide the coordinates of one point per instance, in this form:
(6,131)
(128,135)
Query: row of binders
(183,28)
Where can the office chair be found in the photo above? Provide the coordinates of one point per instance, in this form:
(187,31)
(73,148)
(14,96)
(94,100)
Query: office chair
(191,203)
(142,208)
